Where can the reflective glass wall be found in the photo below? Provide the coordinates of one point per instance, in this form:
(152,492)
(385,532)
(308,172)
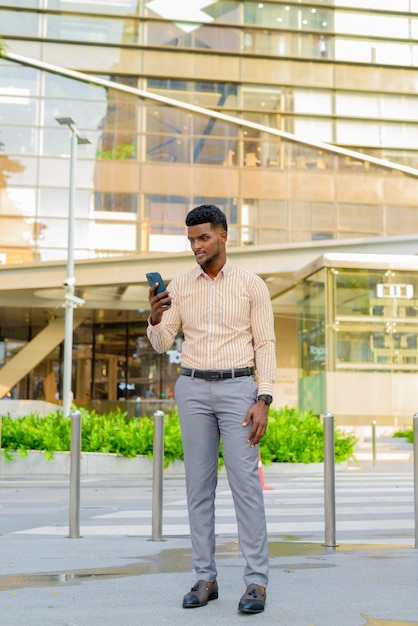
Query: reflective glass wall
(358,341)
(149,163)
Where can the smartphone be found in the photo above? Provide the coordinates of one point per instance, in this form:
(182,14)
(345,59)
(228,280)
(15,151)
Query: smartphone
(155,277)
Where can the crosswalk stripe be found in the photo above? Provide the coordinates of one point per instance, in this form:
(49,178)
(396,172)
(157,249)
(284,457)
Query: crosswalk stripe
(284,512)
(295,506)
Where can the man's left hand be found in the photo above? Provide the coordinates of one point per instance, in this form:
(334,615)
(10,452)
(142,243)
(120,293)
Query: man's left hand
(258,414)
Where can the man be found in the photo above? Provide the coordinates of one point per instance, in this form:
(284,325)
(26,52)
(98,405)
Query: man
(226,317)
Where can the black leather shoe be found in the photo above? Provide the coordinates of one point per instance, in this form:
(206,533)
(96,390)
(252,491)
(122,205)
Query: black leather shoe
(253,600)
(200,594)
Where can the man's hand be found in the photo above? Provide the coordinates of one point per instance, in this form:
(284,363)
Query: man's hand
(159,304)
(258,414)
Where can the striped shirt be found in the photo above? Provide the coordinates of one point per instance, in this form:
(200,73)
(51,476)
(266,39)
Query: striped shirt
(227,323)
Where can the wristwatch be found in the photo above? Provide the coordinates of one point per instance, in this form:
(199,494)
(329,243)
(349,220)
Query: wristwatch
(266,399)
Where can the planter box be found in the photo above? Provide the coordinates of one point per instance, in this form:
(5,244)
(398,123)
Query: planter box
(96,463)
(92,464)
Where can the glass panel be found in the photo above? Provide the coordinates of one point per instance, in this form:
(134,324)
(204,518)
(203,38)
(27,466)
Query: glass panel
(312,101)
(286,16)
(19,139)
(56,172)
(90,29)
(193,33)
(61,87)
(282,43)
(13,106)
(19,23)
(17,172)
(167,215)
(202,93)
(86,114)
(17,82)
(167,34)
(116,202)
(314,129)
(119,7)
(212,151)
(55,202)
(217,38)
(372,51)
(117,146)
(18,200)
(383,5)
(371,24)
(312,349)
(358,133)
(376,320)
(30,4)
(16,231)
(263,97)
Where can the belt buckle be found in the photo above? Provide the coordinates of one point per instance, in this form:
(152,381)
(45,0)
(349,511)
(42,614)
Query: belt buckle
(215,375)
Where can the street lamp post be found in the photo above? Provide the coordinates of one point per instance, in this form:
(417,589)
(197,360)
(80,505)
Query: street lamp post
(71,301)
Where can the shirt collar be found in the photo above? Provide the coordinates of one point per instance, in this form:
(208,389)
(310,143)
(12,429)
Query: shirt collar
(226,269)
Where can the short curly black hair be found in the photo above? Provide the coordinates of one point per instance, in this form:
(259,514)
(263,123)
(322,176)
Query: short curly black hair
(207,213)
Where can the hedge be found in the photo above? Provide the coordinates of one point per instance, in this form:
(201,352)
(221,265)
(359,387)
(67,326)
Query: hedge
(292,436)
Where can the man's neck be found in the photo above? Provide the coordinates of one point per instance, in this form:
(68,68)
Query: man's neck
(213,269)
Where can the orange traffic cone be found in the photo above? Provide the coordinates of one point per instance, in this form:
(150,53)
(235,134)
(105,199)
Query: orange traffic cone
(260,472)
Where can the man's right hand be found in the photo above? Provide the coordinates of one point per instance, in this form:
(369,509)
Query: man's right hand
(159,304)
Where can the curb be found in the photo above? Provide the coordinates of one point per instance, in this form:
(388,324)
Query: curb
(96,464)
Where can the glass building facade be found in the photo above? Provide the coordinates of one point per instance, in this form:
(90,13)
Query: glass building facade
(340,75)
(358,336)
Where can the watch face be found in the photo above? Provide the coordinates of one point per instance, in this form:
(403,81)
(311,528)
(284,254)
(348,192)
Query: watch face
(266,399)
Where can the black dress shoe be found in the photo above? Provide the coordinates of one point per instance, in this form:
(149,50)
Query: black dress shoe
(253,600)
(200,594)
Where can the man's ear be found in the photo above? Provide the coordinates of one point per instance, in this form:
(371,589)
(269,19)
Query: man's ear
(224,235)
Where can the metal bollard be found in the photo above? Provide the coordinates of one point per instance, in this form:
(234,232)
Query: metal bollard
(415,430)
(329,480)
(374,441)
(75,463)
(157,480)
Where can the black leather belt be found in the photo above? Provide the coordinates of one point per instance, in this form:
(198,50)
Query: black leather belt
(217,374)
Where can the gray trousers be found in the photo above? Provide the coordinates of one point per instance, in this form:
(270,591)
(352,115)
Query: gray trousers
(209,410)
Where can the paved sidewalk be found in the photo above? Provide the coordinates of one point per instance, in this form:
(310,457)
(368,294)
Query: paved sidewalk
(107,580)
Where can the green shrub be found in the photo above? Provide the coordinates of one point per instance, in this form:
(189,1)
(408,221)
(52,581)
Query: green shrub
(408,433)
(292,436)
(295,436)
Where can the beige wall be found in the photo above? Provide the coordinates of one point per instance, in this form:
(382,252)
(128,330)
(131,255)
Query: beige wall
(357,398)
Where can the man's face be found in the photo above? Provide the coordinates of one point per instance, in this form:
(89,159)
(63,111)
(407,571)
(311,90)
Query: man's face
(207,243)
